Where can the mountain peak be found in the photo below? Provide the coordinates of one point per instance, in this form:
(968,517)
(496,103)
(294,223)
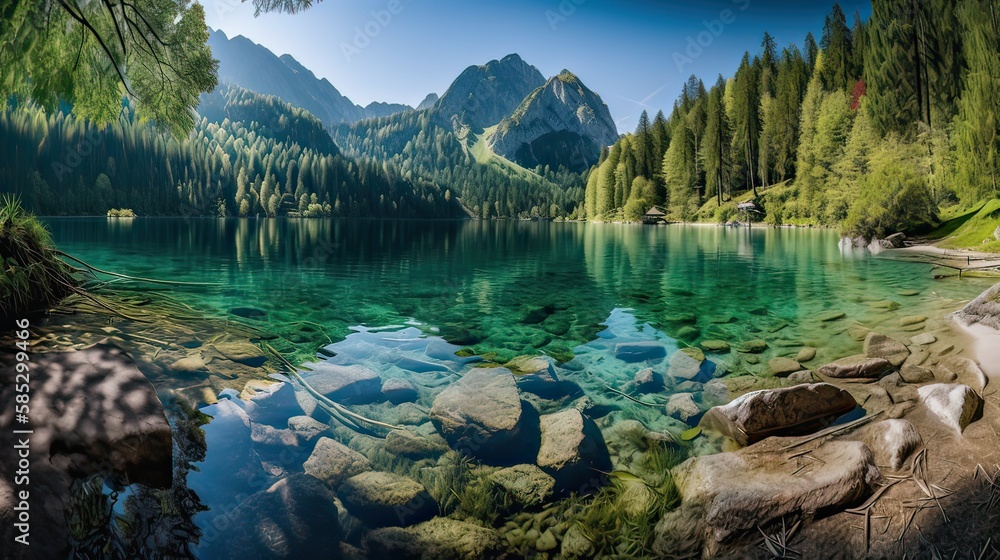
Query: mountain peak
(483,95)
(560,123)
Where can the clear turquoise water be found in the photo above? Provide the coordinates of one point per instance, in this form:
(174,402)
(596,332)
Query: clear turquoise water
(403,297)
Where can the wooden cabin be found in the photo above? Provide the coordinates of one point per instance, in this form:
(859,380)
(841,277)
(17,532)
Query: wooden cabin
(654,216)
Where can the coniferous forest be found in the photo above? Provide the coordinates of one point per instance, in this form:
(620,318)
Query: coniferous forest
(871,128)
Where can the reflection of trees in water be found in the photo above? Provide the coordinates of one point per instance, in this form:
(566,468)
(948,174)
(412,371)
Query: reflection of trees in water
(151,523)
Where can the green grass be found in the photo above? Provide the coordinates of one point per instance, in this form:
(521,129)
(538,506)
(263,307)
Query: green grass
(969,228)
(485,156)
(32,277)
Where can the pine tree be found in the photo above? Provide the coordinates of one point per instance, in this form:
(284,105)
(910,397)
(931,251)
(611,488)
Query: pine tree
(677,173)
(838,57)
(811,52)
(746,121)
(977,125)
(718,138)
(645,148)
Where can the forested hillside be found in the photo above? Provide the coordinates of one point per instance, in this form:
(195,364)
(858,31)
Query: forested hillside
(250,154)
(870,129)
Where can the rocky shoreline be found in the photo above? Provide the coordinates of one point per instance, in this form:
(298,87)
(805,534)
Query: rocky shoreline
(517,459)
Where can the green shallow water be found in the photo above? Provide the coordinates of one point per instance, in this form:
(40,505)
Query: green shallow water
(427,301)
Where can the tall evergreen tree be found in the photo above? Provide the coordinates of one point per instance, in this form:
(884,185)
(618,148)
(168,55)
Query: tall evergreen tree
(718,139)
(811,51)
(838,56)
(645,152)
(977,124)
(746,120)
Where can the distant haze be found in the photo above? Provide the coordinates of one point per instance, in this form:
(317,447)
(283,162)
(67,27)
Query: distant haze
(635,53)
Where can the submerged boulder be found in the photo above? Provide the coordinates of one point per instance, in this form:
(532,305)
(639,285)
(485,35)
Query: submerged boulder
(732,492)
(783,367)
(334,462)
(270,402)
(772,412)
(859,367)
(398,391)
(648,381)
(345,384)
(632,352)
(572,448)
(382,499)
(527,485)
(682,406)
(481,415)
(440,538)
(686,363)
(295,518)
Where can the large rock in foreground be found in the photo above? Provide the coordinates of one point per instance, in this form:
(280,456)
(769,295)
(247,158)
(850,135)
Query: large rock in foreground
(860,367)
(294,518)
(572,449)
(984,310)
(779,412)
(92,411)
(733,492)
(481,415)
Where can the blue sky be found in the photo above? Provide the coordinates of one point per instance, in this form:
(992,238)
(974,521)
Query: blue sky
(635,53)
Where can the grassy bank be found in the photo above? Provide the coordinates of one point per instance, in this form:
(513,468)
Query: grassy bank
(965,228)
(32,277)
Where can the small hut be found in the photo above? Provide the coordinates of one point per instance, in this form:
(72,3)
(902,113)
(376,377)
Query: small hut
(654,216)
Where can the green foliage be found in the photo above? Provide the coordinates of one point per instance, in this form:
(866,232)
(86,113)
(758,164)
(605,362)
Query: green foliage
(976,134)
(619,519)
(893,196)
(973,229)
(92,54)
(32,276)
(121,213)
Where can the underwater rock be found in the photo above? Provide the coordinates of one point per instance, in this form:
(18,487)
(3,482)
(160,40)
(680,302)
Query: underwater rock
(352,384)
(682,406)
(295,518)
(529,364)
(440,538)
(307,429)
(717,346)
(382,499)
(912,320)
(892,441)
(248,313)
(572,448)
(575,543)
(481,414)
(881,346)
(777,412)
(753,346)
(923,339)
(783,367)
(269,402)
(527,485)
(800,377)
(633,352)
(732,492)
(805,354)
(686,363)
(264,436)
(241,352)
(954,405)
(193,363)
(831,316)
(414,446)
(398,391)
(333,462)
(539,378)
(648,381)
(856,367)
